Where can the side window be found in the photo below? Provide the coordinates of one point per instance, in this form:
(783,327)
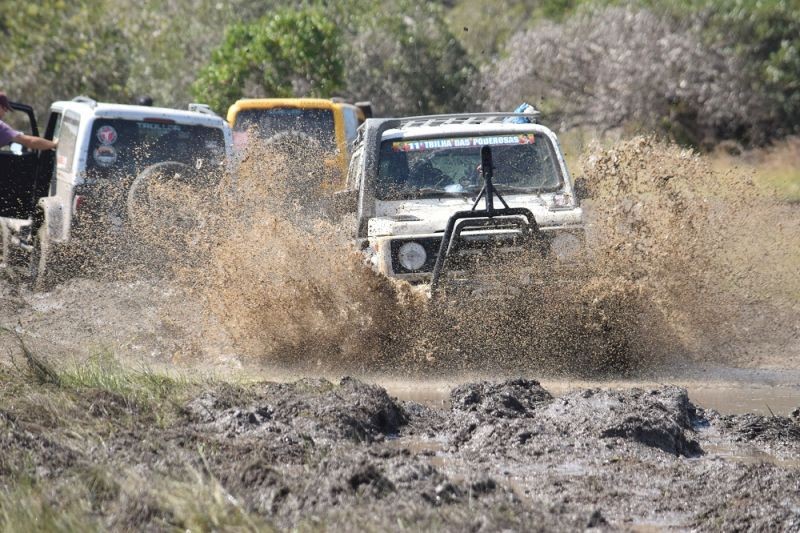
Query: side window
(53,125)
(67,139)
(350,126)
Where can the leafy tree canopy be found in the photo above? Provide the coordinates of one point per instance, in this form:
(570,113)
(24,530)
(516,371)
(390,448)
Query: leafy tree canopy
(290,52)
(55,49)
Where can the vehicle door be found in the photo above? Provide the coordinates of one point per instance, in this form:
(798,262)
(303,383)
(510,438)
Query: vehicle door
(18,166)
(46,168)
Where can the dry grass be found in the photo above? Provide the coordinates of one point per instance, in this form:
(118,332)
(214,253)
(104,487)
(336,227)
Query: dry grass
(59,470)
(776,168)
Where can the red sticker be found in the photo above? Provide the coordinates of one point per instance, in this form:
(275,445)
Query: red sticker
(107,135)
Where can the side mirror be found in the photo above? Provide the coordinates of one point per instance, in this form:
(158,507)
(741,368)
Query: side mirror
(366,108)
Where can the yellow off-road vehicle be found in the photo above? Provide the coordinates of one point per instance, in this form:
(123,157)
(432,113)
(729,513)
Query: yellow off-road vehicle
(330,125)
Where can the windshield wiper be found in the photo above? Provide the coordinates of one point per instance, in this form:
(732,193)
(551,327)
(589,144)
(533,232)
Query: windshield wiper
(429,192)
(515,188)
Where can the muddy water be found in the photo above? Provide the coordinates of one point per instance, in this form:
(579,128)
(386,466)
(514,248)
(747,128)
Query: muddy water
(753,391)
(688,269)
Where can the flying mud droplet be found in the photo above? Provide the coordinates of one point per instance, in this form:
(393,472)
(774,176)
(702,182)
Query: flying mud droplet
(683,264)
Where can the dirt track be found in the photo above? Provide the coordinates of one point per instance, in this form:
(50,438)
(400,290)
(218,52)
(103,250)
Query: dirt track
(112,445)
(147,403)
(317,455)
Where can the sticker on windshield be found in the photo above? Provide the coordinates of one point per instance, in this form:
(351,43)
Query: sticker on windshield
(105,155)
(462,142)
(158,126)
(107,135)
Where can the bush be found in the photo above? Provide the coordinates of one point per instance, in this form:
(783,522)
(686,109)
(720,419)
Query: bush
(292,52)
(408,62)
(765,34)
(610,67)
(56,50)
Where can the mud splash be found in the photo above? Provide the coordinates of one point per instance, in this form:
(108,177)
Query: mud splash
(715,257)
(283,277)
(684,263)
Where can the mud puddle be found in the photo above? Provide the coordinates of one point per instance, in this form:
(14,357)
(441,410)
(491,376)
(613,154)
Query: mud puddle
(726,390)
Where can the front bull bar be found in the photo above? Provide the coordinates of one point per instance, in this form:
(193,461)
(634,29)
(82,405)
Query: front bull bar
(520,217)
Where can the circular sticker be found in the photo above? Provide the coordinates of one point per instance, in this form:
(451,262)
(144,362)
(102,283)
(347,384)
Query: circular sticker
(105,155)
(107,135)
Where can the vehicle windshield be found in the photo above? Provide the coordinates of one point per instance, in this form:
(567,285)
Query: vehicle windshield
(316,123)
(121,147)
(450,166)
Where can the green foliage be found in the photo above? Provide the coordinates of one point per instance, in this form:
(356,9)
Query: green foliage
(405,59)
(766,34)
(284,54)
(407,56)
(55,49)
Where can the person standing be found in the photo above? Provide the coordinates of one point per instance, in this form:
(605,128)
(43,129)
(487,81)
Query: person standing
(9,134)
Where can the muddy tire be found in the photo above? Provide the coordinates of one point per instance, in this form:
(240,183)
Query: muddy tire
(13,257)
(139,199)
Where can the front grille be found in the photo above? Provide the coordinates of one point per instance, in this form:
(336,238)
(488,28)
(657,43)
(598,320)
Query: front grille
(470,249)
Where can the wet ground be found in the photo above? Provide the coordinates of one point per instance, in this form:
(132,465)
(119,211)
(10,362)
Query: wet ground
(314,455)
(134,403)
(220,444)
(724,389)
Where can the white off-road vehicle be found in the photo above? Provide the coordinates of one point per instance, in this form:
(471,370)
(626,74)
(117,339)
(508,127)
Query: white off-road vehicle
(107,154)
(434,187)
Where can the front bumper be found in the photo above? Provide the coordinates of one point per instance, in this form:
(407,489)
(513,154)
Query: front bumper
(383,252)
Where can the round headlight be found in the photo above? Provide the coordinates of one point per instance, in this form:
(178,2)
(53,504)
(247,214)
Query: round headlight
(412,256)
(566,246)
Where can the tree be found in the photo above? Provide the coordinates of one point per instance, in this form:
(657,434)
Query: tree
(611,67)
(406,61)
(56,50)
(291,52)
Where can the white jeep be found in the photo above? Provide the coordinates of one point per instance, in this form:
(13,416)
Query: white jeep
(50,196)
(420,179)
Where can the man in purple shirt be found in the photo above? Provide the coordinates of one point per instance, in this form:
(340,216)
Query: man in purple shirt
(9,134)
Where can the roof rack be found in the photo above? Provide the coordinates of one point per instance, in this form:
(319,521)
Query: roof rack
(464,118)
(202,108)
(85,100)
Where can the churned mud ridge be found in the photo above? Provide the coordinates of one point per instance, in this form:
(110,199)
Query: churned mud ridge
(311,454)
(521,414)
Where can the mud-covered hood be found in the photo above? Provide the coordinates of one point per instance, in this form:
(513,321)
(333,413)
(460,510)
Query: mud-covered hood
(430,215)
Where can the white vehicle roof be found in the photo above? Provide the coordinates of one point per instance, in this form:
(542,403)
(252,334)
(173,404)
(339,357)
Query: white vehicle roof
(463,129)
(136,112)
(464,124)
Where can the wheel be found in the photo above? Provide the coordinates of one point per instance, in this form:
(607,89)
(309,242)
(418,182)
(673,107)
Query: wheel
(167,210)
(168,198)
(13,256)
(139,194)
